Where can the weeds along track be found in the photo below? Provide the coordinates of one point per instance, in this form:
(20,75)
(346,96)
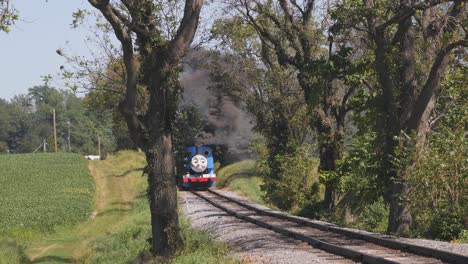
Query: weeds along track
(330,238)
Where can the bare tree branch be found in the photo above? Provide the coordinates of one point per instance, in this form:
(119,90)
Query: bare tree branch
(129,105)
(408,12)
(188,27)
(432,83)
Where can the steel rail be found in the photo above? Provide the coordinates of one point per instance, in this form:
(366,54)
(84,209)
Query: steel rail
(331,248)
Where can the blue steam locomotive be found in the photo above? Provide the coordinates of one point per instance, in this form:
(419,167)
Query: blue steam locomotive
(195,168)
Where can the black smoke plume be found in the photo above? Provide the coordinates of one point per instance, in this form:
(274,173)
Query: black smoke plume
(224,122)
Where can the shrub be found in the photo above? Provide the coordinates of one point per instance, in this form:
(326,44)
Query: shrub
(447,224)
(291,188)
(374,217)
(439,185)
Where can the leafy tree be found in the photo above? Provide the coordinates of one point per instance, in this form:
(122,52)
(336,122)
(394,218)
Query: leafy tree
(438,179)
(27,120)
(161,43)
(8,15)
(104,100)
(101,77)
(273,97)
(187,126)
(411,42)
(290,31)
(86,125)
(21,123)
(5,124)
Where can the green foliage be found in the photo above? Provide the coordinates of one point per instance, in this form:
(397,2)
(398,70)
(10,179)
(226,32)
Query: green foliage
(187,125)
(439,185)
(359,171)
(447,223)
(439,176)
(373,217)
(236,34)
(27,120)
(78,17)
(103,99)
(463,237)
(8,15)
(43,191)
(200,248)
(127,240)
(290,188)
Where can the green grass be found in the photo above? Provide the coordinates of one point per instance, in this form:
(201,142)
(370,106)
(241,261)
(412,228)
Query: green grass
(40,192)
(11,252)
(240,177)
(126,241)
(119,233)
(118,182)
(200,248)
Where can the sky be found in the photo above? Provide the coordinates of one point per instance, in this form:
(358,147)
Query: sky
(29,50)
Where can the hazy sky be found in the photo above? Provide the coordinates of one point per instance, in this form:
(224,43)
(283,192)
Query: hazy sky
(28,51)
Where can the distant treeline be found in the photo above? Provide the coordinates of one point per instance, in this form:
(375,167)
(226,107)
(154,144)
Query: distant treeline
(27,120)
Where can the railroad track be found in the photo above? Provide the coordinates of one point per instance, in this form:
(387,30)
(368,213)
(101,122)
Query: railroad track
(330,238)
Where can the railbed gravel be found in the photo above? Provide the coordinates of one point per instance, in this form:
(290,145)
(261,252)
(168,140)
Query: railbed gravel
(251,243)
(254,244)
(458,248)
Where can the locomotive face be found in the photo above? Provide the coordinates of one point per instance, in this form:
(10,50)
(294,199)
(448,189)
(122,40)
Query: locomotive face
(198,163)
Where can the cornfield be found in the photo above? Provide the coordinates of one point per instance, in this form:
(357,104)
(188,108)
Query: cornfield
(39,192)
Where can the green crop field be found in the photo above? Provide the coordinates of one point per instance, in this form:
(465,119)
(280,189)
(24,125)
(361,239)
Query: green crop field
(39,192)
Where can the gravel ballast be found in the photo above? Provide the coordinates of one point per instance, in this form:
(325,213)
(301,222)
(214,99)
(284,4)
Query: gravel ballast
(251,243)
(461,249)
(259,245)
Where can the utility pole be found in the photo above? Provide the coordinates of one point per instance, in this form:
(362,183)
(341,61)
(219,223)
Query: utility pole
(68,137)
(99,146)
(55,133)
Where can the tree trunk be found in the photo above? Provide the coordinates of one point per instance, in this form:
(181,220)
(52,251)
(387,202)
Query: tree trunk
(387,123)
(162,187)
(328,165)
(151,129)
(400,219)
(330,152)
(411,111)
(162,195)
(329,200)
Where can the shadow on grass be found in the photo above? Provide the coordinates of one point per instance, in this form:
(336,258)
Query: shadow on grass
(242,175)
(123,204)
(48,259)
(142,195)
(114,211)
(128,172)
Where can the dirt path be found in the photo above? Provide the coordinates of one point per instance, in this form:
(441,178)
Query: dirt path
(116,180)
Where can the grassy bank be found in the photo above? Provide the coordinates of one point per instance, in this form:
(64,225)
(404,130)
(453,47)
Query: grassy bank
(125,240)
(118,182)
(118,230)
(240,177)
